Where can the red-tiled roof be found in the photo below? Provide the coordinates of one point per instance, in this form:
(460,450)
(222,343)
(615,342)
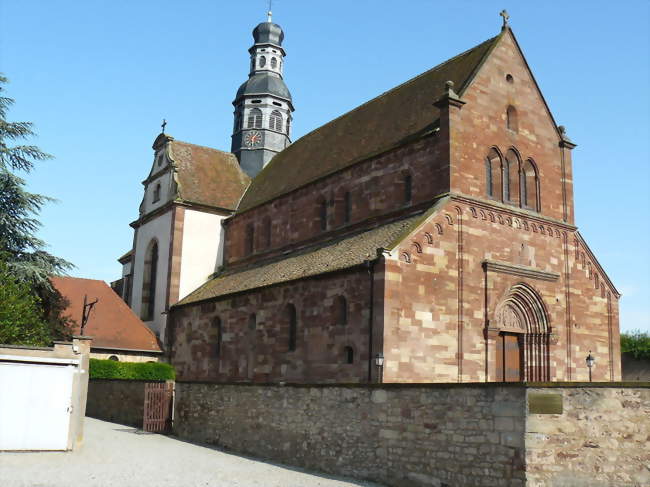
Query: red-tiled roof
(112,324)
(208,176)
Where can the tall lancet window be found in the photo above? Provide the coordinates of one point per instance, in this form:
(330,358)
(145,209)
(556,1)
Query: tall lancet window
(529,186)
(275,121)
(493,175)
(149,282)
(511,178)
(255,118)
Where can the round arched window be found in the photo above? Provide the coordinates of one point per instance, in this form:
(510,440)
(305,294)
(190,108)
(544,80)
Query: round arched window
(274,63)
(262,61)
(114,358)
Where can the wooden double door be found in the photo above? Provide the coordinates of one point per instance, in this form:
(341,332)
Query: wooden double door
(510,357)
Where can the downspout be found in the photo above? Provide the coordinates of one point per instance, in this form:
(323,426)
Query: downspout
(370,265)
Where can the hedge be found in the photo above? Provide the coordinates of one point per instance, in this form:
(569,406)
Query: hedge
(111,369)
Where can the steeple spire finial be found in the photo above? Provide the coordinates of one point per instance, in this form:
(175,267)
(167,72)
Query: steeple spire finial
(506,17)
(269,14)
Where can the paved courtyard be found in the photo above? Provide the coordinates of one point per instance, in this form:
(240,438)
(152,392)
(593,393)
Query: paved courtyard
(117,455)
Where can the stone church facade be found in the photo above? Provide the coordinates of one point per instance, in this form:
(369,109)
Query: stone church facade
(431,227)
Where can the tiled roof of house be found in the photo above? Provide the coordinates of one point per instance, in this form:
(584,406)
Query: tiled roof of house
(112,324)
(404,113)
(208,176)
(334,255)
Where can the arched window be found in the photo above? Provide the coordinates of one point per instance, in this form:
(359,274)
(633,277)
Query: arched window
(511,119)
(493,175)
(255,118)
(347,207)
(266,226)
(322,213)
(529,186)
(511,178)
(218,336)
(114,358)
(274,63)
(156,193)
(348,355)
(341,310)
(275,121)
(408,188)
(293,326)
(249,244)
(288,126)
(149,282)
(262,61)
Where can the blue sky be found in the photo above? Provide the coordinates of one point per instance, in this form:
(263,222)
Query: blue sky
(97,77)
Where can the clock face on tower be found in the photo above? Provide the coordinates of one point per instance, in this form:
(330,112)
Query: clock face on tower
(253,139)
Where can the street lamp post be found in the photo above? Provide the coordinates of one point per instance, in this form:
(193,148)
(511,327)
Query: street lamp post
(591,360)
(379,362)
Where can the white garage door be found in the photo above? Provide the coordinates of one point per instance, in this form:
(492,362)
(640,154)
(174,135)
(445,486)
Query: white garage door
(35,406)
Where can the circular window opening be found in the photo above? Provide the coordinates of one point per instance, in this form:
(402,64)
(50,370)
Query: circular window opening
(509,78)
(114,358)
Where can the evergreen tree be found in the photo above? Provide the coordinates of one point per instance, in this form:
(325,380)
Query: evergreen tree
(21,320)
(25,262)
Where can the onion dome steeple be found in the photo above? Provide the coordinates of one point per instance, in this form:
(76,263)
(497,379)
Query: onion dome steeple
(263,103)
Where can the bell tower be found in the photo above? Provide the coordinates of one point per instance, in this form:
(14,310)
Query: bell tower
(263,104)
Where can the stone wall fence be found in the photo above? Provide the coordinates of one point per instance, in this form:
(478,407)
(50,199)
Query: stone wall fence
(117,400)
(416,435)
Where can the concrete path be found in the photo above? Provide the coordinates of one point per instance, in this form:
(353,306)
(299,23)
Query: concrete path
(120,456)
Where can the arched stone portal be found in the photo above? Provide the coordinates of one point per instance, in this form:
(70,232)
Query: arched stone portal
(521,337)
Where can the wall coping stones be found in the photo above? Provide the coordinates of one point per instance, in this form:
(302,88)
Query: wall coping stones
(430,385)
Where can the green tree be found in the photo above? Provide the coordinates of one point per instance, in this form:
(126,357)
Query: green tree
(22,254)
(21,317)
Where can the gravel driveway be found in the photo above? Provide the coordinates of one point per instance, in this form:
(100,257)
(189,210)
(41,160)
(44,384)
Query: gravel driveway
(120,456)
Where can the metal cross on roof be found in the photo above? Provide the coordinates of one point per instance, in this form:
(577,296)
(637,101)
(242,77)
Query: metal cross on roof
(269,14)
(505,16)
(163,125)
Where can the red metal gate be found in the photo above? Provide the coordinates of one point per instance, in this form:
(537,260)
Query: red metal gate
(158,402)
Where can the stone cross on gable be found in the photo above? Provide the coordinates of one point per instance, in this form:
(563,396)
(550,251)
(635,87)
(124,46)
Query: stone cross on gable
(163,125)
(505,16)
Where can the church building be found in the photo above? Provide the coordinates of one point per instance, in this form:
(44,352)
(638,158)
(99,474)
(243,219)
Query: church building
(427,235)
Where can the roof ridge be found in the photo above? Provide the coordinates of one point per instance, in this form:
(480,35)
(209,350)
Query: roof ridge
(79,279)
(204,147)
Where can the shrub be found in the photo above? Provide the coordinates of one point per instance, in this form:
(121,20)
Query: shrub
(636,343)
(110,369)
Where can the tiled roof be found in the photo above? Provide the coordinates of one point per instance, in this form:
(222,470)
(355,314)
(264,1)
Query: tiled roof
(404,113)
(208,176)
(111,324)
(334,255)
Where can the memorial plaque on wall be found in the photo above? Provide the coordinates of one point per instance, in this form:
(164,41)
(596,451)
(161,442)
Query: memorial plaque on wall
(544,403)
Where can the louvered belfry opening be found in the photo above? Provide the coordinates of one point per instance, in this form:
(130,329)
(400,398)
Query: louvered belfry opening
(522,313)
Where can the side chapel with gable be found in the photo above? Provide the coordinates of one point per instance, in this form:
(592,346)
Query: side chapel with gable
(431,227)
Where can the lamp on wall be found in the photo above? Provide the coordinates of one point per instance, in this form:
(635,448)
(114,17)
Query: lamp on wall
(591,360)
(379,362)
